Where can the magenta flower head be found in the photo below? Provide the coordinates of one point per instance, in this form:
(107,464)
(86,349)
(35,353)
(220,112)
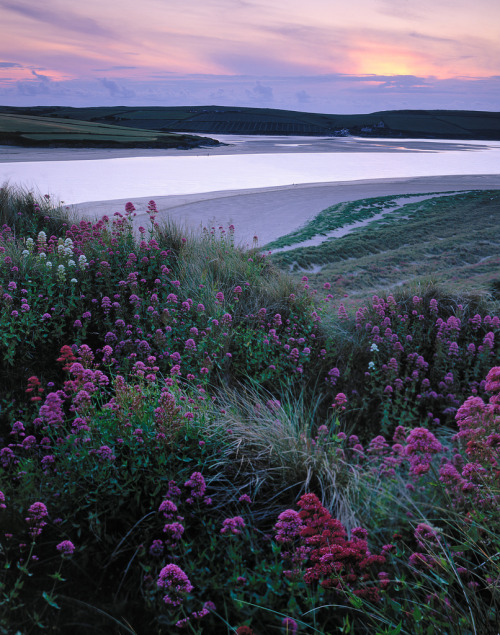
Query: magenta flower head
(340,400)
(420,447)
(37,511)
(175,582)
(168,508)
(174,531)
(288,527)
(233,525)
(66,548)
(36,514)
(493,380)
(197,484)
(2,501)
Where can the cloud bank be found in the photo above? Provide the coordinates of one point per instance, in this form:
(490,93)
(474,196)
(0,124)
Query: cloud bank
(322,56)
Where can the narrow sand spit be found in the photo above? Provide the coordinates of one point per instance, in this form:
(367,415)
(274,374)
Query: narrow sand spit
(269,213)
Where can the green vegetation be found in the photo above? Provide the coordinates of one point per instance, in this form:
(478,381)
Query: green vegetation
(30,130)
(451,240)
(430,124)
(193,441)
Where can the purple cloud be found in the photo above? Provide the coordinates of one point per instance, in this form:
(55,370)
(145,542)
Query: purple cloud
(260,94)
(115,90)
(58,18)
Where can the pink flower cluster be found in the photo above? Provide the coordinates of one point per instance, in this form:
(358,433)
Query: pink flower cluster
(175,583)
(197,485)
(479,435)
(421,446)
(233,525)
(66,548)
(36,515)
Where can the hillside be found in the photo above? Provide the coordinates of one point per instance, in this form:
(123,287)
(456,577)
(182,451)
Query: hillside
(430,124)
(32,130)
(193,441)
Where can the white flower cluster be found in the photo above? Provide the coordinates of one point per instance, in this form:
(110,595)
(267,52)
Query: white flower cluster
(64,256)
(65,247)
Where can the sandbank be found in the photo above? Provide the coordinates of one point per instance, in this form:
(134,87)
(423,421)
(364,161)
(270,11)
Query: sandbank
(271,212)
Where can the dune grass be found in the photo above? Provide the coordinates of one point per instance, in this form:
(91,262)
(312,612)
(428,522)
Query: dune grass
(450,240)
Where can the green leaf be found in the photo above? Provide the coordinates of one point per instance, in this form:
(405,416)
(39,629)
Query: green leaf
(50,600)
(355,601)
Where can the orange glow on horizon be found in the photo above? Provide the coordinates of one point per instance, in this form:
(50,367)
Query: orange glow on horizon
(392,61)
(383,60)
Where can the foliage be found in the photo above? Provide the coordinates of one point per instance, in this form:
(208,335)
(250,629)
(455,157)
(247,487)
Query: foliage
(167,400)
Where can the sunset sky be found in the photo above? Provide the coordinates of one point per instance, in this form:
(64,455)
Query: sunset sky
(315,55)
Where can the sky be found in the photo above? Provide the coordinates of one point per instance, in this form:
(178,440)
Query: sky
(331,56)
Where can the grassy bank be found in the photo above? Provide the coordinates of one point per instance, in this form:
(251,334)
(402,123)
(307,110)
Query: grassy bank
(449,240)
(34,131)
(193,440)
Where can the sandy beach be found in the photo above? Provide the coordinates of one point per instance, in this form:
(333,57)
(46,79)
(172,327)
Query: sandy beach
(271,212)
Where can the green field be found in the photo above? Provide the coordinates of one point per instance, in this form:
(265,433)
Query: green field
(28,130)
(450,240)
(431,124)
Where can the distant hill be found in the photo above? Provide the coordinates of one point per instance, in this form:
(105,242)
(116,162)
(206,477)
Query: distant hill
(428,124)
(32,130)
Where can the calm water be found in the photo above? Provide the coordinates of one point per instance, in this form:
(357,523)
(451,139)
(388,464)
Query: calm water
(262,163)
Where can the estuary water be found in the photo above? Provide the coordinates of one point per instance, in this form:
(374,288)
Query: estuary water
(78,176)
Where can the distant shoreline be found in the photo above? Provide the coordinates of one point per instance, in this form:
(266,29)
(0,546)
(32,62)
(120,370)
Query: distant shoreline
(230,144)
